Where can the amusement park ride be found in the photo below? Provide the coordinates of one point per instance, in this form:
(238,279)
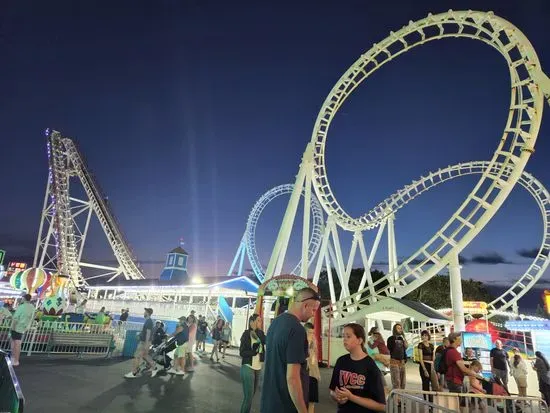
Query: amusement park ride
(62,236)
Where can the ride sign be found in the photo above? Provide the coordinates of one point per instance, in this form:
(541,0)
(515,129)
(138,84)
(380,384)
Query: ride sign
(475,307)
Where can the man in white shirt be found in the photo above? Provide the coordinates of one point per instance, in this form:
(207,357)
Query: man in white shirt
(21,321)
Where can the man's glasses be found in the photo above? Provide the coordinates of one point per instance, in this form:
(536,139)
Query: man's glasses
(313,297)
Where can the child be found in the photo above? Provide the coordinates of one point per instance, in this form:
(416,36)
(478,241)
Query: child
(356,383)
(476,388)
(518,370)
(313,367)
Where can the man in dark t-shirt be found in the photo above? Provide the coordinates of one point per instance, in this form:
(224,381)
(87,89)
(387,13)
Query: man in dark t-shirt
(142,351)
(286,355)
(499,362)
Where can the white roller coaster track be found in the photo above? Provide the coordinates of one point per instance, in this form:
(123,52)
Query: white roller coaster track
(59,213)
(529,182)
(529,86)
(248,241)
(254,217)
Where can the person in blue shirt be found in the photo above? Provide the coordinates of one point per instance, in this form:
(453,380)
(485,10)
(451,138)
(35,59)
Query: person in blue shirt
(142,351)
(286,379)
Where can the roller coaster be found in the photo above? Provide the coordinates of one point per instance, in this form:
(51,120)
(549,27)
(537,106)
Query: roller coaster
(61,237)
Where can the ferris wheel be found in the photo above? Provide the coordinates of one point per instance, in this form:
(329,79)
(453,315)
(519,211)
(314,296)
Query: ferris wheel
(529,88)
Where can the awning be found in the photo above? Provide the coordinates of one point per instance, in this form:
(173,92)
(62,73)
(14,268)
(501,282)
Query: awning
(396,309)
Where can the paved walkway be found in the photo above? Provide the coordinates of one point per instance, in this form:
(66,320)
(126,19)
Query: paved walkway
(64,385)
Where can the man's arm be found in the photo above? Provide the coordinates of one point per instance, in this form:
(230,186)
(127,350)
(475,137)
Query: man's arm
(462,366)
(294,385)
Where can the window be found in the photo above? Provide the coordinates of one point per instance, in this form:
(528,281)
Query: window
(170,260)
(180,261)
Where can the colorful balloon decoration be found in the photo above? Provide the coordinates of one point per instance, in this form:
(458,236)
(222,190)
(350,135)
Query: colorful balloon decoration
(32,279)
(15,280)
(47,284)
(54,305)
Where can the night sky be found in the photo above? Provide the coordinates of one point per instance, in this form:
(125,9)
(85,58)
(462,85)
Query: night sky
(188,111)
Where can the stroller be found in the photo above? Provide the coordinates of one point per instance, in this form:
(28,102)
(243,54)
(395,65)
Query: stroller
(160,353)
(496,387)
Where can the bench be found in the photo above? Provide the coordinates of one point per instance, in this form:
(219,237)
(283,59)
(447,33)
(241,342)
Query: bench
(96,343)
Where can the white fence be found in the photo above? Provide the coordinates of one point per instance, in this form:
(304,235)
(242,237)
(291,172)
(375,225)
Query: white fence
(411,401)
(60,337)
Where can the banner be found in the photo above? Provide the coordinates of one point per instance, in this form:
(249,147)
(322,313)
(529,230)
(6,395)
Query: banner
(475,307)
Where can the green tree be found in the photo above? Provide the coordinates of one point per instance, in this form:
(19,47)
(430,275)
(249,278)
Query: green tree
(434,293)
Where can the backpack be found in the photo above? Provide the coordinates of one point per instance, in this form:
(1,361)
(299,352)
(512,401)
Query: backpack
(417,354)
(441,362)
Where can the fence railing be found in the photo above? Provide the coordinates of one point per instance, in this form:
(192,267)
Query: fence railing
(62,337)
(413,401)
(11,396)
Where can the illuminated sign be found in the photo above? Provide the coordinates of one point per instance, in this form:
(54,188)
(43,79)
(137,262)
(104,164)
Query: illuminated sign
(15,266)
(475,307)
(481,344)
(528,325)
(2,255)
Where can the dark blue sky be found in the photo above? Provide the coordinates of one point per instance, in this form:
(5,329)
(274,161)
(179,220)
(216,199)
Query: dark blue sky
(188,111)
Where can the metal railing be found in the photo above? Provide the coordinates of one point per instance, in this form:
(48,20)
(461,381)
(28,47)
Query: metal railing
(11,396)
(61,337)
(417,401)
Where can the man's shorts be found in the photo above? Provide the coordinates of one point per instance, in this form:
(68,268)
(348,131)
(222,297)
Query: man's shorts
(181,350)
(15,335)
(141,350)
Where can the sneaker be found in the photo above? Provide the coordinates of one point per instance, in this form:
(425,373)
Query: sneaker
(130,375)
(172,371)
(154,372)
(180,373)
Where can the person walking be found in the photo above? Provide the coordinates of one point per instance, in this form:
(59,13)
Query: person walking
(500,362)
(426,364)
(142,351)
(285,385)
(356,383)
(202,330)
(192,325)
(225,337)
(216,338)
(542,368)
(518,370)
(20,322)
(397,345)
(252,352)
(312,367)
(182,337)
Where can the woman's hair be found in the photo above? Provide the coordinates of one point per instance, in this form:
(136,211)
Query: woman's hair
(252,318)
(475,363)
(394,329)
(359,332)
(373,331)
(541,356)
(517,359)
(426,333)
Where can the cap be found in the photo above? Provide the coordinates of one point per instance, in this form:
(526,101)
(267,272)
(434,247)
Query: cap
(192,311)
(149,310)
(183,317)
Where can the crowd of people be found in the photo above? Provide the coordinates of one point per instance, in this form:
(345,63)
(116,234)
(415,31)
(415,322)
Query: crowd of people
(286,358)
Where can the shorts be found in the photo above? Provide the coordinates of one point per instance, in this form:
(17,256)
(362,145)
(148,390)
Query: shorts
(141,350)
(313,390)
(15,335)
(201,336)
(181,350)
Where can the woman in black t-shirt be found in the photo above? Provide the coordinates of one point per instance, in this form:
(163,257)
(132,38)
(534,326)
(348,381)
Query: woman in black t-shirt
(426,364)
(356,383)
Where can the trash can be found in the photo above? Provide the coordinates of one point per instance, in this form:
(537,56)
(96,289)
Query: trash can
(130,343)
